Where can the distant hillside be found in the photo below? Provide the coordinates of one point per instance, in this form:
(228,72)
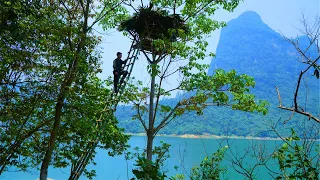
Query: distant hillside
(250,47)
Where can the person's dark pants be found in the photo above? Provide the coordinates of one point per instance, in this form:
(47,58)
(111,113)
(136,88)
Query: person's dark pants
(117,77)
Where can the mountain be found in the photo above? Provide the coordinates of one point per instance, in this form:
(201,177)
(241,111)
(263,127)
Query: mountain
(250,47)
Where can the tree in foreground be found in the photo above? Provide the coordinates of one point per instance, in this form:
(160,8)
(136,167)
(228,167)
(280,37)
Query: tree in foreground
(174,49)
(49,91)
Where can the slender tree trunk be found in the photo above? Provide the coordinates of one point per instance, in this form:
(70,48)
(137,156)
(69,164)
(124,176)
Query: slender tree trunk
(150,131)
(64,88)
(53,136)
(69,77)
(149,145)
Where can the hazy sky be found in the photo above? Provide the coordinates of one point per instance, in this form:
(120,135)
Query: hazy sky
(280,15)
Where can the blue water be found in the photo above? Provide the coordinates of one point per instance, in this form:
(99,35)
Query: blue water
(184,153)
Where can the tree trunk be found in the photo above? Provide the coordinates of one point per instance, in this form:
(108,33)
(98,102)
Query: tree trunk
(69,77)
(53,136)
(151,118)
(149,145)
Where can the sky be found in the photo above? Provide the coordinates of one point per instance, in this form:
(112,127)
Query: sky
(280,15)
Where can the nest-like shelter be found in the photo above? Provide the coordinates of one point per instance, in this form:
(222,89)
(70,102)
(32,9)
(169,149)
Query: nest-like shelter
(149,25)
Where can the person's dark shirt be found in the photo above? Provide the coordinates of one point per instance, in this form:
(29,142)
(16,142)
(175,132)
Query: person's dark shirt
(117,65)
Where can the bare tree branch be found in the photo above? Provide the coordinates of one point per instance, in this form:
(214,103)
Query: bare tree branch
(167,117)
(313,34)
(295,109)
(140,118)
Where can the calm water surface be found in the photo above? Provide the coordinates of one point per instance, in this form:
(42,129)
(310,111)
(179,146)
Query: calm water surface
(184,153)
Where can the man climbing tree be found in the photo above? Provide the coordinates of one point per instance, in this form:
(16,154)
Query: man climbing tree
(118,66)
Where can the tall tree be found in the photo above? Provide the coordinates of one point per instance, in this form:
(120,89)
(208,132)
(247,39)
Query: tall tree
(50,94)
(180,54)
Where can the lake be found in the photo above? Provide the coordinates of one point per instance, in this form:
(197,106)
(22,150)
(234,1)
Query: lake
(184,152)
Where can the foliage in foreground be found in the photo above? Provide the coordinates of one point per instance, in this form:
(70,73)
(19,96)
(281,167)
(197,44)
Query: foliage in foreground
(210,167)
(150,169)
(50,95)
(295,160)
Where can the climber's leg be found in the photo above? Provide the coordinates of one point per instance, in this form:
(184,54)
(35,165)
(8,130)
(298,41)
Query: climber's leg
(124,75)
(116,81)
